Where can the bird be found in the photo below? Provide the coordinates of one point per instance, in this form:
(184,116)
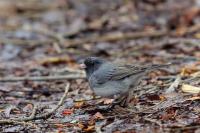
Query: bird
(113,79)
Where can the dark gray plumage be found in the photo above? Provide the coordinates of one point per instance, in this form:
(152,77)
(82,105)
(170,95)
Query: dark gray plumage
(109,79)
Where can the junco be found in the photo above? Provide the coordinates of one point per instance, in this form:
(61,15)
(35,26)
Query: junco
(114,80)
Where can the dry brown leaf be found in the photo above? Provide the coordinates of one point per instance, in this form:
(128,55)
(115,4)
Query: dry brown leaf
(58,125)
(67,111)
(108,101)
(181,30)
(190,89)
(186,71)
(162,98)
(80,125)
(98,116)
(78,104)
(89,128)
(197,35)
(57,60)
(196,74)
(7,8)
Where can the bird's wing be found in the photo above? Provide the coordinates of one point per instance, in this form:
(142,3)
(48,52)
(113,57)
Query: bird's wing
(126,70)
(116,72)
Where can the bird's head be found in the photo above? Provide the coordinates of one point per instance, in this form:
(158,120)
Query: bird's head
(91,64)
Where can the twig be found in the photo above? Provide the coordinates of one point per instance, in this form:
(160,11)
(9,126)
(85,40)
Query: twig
(165,104)
(174,85)
(115,37)
(89,99)
(60,103)
(24,42)
(22,120)
(54,35)
(125,36)
(42,78)
(9,121)
(153,121)
(33,115)
(28,118)
(93,39)
(183,128)
(68,70)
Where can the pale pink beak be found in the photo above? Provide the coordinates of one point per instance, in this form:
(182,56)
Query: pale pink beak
(82,66)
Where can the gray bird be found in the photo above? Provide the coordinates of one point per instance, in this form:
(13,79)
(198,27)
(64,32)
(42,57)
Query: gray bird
(114,80)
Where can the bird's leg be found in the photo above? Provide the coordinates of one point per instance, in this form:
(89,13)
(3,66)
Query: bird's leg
(114,102)
(128,98)
(119,100)
(130,93)
(124,100)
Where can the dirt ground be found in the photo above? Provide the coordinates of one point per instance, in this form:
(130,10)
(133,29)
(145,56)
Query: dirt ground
(42,43)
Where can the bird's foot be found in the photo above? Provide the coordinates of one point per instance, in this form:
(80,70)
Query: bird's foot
(120,102)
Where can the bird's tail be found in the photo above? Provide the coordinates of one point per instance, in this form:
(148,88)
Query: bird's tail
(157,66)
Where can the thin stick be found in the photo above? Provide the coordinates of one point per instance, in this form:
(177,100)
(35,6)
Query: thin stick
(42,78)
(115,37)
(33,115)
(28,118)
(93,39)
(8,121)
(174,85)
(153,121)
(60,103)
(24,42)
(125,36)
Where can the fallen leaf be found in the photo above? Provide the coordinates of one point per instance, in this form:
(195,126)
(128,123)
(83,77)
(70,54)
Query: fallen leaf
(181,30)
(153,97)
(89,128)
(169,114)
(196,74)
(60,131)
(78,104)
(98,116)
(188,16)
(190,89)
(67,111)
(56,61)
(28,107)
(187,71)
(10,109)
(58,125)
(162,98)
(197,35)
(108,101)
(80,125)
(116,132)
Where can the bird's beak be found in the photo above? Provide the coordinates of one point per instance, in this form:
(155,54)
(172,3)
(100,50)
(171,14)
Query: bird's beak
(82,66)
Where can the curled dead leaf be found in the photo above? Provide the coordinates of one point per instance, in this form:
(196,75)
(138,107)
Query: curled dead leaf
(190,89)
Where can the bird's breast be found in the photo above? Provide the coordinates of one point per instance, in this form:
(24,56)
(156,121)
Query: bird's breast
(110,88)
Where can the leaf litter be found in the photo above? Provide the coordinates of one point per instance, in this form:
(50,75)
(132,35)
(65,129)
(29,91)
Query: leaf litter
(49,38)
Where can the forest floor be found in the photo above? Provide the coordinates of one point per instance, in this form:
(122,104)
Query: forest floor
(42,42)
